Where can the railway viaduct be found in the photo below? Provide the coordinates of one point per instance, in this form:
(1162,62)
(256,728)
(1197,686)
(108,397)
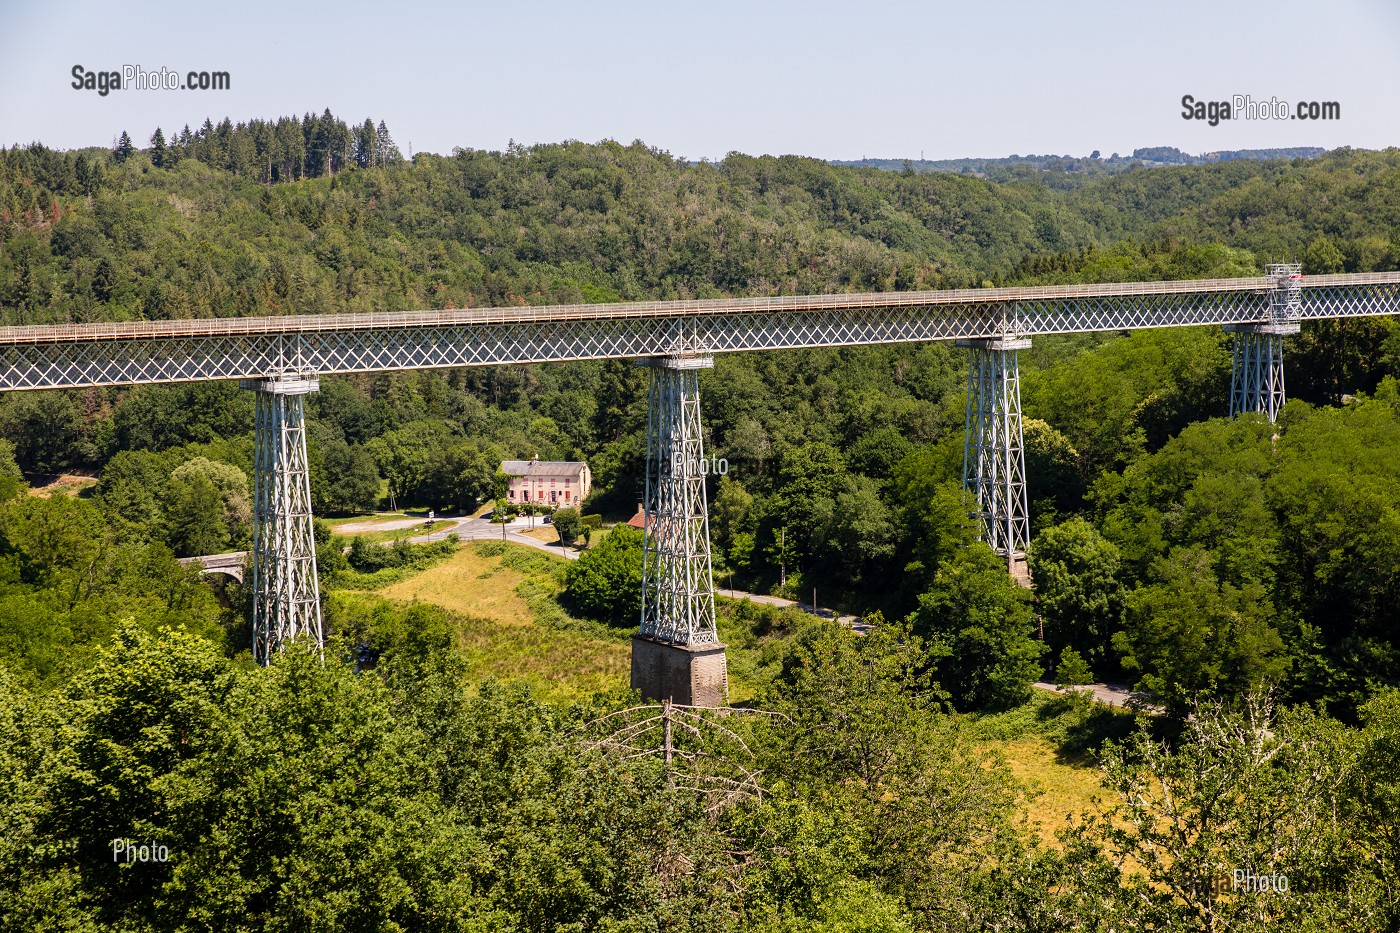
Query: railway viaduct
(676,652)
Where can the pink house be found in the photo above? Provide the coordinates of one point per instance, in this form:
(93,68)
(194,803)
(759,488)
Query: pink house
(556,483)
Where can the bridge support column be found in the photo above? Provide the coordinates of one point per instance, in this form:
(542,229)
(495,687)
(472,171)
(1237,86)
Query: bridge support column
(994,465)
(286,597)
(1256,379)
(677,654)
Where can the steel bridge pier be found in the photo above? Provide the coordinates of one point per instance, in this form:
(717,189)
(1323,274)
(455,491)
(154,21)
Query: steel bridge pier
(677,654)
(1256,375)
(286,598)
(994,462)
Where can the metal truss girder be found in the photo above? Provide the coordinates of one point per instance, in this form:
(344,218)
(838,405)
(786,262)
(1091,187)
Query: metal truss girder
(388,342)
(678,597)
(994,465)
(286,596)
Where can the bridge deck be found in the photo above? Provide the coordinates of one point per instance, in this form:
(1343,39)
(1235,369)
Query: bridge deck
(130,353)
(982,297)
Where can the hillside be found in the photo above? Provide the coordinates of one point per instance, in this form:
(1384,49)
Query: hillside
(88,238)
(1048,167)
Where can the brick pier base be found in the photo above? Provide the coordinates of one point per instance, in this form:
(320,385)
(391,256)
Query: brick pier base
(691,675)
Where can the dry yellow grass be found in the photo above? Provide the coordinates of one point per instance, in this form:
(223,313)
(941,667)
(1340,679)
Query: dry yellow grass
(1065,792)
(65,485)
(545,533)
(558,664)
(471,584)
(499,636)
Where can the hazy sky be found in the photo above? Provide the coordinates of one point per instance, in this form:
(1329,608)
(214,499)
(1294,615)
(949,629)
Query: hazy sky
(840,81)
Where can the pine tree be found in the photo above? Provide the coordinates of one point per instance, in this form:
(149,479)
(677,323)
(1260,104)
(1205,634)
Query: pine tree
(205,142)
(308,163)
(387,153)
(366,145)
(124,148)
(220,151)
(158,149)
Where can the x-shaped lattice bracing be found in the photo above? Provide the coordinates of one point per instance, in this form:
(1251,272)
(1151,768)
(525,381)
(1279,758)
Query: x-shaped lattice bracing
(69,363)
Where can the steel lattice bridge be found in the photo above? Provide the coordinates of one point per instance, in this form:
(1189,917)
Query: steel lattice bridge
(281,358)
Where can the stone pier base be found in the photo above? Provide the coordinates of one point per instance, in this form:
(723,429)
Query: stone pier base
(1021,572)
(691,675)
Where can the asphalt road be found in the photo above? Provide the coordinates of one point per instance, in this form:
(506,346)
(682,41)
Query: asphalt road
(1109,694)
(480,529)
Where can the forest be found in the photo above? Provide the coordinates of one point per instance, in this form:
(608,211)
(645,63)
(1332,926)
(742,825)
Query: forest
(1243,574)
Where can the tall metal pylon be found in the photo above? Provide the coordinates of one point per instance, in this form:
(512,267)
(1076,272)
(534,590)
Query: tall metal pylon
(678,593)
(994,463)
(286,597)
(1256,377)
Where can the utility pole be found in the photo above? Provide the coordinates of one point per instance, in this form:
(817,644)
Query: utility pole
(782,557)
(668,752)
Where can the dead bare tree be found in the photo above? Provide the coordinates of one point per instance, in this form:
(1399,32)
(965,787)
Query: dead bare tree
(699,754)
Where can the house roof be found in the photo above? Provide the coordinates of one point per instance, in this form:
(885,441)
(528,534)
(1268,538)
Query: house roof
(543,467)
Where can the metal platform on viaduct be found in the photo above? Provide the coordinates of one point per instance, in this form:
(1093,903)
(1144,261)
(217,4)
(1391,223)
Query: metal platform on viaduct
(676,653)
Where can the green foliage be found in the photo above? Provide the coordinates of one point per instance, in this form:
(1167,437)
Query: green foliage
(1193,636)
(46,431)
(605,583)
(350,479)
(937,517)
(1071,670)
(1372,789)
(568,524)
(895,791)
(1078,591)
(330,549)
(1110,404)
(459,477)
(403,455)
(66,581)
(195,517)
(1240,792)
(977,624)
(369,559)
(1052,471)
(228,481)
(1257,553)
(11,479)
(732,514)
(132,494)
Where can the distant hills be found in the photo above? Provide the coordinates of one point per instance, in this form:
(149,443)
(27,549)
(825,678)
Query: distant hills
(1094,164)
